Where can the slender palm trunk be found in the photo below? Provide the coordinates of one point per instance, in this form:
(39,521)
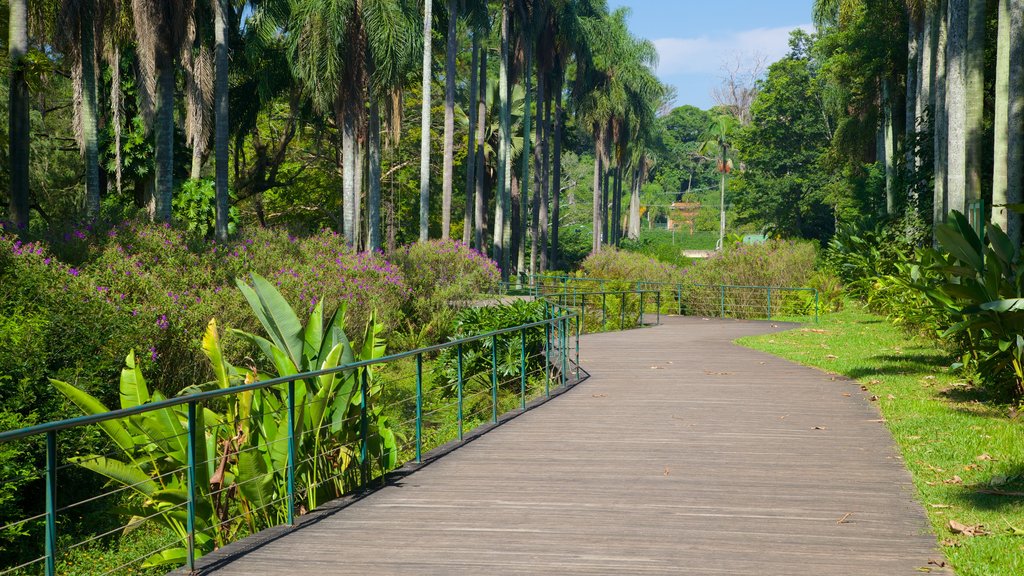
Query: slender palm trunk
(541,201)
(467,219)
(890,146)
(90,113)
(348,176)
(479,206)
(220,99)
(975,96)
(18,119)
(597,194)
(357,197)
(164,153)
(910,105)
(425,124)
(503,149)
(115,111)
(721,202)
(633,230)
(447,174)
(373,198)
(956,105)
(940,118)
(616,230)
(556,167)
(527,157)
(1006,173)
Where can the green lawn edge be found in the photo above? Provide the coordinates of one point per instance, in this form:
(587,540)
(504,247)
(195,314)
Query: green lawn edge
(959,449)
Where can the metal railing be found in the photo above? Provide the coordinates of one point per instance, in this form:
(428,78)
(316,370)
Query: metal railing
(691,299)
(401,406)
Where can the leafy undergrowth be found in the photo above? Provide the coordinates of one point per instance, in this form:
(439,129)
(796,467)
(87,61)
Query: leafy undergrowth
(966,455)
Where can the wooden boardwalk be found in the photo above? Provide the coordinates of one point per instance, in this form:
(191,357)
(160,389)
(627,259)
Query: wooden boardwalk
(683,454)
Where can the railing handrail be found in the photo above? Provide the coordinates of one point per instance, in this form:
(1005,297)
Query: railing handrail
(663,283)
(118,413)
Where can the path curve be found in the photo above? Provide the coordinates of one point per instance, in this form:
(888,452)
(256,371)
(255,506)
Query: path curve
(683,454)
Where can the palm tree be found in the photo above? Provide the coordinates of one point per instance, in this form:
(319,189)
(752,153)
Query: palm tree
(160,29)
(940,140)
(718,140)
(449,119)
(1009,115)
(501,197)
(221,28)
(956,105)
(18,119)
(975,62)
(425,123)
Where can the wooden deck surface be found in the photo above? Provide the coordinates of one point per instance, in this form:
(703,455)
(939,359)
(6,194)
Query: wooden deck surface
(682,454)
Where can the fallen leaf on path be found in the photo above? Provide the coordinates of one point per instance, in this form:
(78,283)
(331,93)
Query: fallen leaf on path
(656,368)
(847,394)
(843,519)
(924,569)
(873,398)
(667,471)
(939,563)
(958,528)
(818,428)
(863,388)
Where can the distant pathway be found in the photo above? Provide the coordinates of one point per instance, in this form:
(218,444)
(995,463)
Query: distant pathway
(683,454)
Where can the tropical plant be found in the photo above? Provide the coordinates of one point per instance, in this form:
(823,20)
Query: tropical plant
(195,207)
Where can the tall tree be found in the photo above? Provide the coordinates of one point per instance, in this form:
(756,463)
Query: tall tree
(718,141)
(957,104)
(975,86)
(449,119)
(940,141)
(1009,114)
(221,26)
(18,119)
(428,6)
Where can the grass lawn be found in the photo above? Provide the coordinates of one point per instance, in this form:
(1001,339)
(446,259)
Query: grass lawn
(966,456)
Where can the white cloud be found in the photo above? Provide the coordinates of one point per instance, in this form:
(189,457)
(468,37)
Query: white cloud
(706,55)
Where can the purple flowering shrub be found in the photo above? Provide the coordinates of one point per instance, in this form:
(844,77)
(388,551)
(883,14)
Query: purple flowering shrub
(443,276)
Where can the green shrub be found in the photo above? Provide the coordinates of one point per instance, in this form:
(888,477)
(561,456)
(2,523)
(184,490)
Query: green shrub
(195,208)
(788,263)
(612,264)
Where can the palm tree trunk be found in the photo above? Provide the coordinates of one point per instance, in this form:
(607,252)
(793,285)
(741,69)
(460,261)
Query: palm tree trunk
(890,146)
(1015,121)
(1006,172)
(467,220)
(634,208)
(373,200)
(910,108)
(956,105)
(220,99)
(541,203)
(357,196)
(518,221)
(597,194)
(503,149)
(348,176)
(721,203)
(449,121)
(556,167)
(616,230)
(975,96)
(940,118)
(90,113)
(479,206)
(164,152)
(18,113)
(425,124)
(527,157)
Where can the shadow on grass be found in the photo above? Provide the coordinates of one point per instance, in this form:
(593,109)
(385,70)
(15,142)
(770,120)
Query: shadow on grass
(997,492)
(919,365)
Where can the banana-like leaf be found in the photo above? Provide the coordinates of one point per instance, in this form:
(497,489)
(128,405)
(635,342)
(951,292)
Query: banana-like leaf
(313,335)
(133,386)
(334,333)
(164,429)
(213,351)
(169,557)
(998,306)
(1002,245)
(126,474)
(90,405)
(277,317)
(957,240)
(254,480)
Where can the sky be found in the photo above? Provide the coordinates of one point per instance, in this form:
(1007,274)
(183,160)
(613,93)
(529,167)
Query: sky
(695,38)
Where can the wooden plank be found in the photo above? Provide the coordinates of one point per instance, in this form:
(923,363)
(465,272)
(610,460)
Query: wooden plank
(682,454)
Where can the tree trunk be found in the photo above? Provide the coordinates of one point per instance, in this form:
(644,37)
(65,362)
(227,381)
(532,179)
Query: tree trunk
(501,194)
(617,203)
(633,231)
(467,219)
(425,124)
(598,195)
(18,114)
(940,118)
(910,108)
(527,156)
(518,219)
(556,167)
(956,105)
(90,113)
(449,121)
(220,99)
(373,199)
(544,132)
(721,205)
(164,152)
(1006,170)
(348,176)
(479,206)
(890,147)
(975,96)
(357,197)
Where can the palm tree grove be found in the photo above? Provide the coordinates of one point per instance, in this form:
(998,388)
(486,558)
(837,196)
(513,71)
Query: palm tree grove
(464,286)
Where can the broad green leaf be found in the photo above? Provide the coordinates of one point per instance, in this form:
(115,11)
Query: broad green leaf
(213,351)
(279,319)
(125,474)
(169,557)
(1002,246)
(335,331)
(960,245)
(164,429)
(254,480)
(313,335)
(133,386)
(90,405)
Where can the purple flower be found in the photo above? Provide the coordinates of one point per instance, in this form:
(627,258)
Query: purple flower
(73,271)
(162,322)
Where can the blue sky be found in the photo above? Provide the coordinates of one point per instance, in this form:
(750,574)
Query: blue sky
(695,38)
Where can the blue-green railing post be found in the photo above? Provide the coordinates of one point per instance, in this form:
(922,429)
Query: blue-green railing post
(622,311)
(494,378)
(679,295)
(604,309)
(815,305)
(190,525)
(563,329)
(723,300)
(419,407)
(769,289)
(522,368)
(578,328)
(291,452)
(364,428)
(659,307)
(641,308)
(51,503)
(459,365)
(547,359)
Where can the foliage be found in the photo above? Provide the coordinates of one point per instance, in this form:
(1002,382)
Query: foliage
(612,264)
(776,262)
(964,456)
(195,207)
(660,245)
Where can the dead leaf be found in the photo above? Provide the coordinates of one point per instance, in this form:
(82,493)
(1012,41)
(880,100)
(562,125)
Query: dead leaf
(939,563)
(954,480)
(874,381)
(940,505)
(847,394)
(831,356)
(873,398)
(667,471)
(818,428)
(599,395)
(984,457)
(924,569)
(891,397)
(843,519)
(656,368)
(958,528)
(970,467)
(783,417)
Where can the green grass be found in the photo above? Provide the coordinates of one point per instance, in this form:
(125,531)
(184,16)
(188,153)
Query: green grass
(943,427)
